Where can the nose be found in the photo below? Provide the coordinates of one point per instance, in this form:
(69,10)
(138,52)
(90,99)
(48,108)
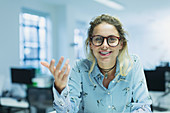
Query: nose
(105,43)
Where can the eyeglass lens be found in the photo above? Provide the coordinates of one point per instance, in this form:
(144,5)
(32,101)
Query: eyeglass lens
(111,40)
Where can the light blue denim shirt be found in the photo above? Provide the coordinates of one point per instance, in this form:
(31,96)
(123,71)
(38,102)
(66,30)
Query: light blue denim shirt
(124,94)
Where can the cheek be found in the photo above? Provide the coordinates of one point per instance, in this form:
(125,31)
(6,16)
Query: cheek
(120,46)
(117,50)
(92,47)
(94,50)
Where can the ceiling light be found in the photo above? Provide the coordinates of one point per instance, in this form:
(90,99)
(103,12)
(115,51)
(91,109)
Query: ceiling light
(111,4)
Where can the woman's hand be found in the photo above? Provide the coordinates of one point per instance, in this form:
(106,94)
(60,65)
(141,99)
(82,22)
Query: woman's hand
(60,76)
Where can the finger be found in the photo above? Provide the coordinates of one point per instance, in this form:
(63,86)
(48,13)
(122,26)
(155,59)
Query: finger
(64,69)
(51,67)
(46,64)
(65,77)
(59,63)
(57,69)
(56,74)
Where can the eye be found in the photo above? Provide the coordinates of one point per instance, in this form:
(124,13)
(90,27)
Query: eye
(112,39)
(97,39)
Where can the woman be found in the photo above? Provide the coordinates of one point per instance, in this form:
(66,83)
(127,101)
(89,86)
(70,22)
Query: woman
(109,80)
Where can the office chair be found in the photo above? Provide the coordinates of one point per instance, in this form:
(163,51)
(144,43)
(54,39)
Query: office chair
(40,98)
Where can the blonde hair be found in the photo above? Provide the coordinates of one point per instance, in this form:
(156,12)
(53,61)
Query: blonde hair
(125,61)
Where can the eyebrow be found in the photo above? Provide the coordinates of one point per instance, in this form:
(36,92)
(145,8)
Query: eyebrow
(105,36)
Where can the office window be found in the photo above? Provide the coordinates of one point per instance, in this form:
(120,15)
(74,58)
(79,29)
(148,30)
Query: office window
(79,39)
(33,40)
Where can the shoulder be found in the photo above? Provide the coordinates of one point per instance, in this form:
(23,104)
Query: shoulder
(83,64)
(135,58)
(137,64)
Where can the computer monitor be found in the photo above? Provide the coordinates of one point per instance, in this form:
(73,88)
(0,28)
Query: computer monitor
(155,80)
(22,75)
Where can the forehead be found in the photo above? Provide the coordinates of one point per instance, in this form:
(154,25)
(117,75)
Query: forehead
(105,29)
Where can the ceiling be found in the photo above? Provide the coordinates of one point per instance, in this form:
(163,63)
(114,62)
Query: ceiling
(129,5)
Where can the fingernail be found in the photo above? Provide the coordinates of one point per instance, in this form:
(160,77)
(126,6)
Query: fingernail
(68,60)
(62,57)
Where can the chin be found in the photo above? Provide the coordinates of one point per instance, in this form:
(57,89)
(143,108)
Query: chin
(105,60)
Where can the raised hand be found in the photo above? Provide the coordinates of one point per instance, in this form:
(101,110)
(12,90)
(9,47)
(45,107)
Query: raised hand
(60,76)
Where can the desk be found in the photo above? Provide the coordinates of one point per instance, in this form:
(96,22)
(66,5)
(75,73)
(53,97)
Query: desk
(52,112)
(40,98)
(9,103)
(153,112)
(12,102)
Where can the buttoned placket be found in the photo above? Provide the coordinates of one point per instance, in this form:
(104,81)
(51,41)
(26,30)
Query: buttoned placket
(111,108)
(108,100)
(108,92)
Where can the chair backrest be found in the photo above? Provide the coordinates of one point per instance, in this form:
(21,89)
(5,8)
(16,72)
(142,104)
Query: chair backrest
(40,97)
(2,79)
(155,80)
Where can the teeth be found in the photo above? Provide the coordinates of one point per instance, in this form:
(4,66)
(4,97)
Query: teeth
(104,53)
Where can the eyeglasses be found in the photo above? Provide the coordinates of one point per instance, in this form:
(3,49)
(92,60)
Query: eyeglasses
(112,40)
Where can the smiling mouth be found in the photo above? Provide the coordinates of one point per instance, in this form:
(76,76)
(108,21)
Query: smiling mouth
(105,53)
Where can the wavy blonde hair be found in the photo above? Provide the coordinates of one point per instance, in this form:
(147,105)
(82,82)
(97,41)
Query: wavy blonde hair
(123,56)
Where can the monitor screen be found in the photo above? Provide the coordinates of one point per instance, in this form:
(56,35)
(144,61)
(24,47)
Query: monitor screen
(155,80)
(22,75)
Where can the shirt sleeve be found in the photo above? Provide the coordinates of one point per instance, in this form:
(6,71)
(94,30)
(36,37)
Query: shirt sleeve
(140,96)
(69,99)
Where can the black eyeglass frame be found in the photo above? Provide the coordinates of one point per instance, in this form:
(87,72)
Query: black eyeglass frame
(106,39)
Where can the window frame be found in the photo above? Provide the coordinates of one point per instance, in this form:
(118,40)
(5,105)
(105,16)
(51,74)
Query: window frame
(23,46)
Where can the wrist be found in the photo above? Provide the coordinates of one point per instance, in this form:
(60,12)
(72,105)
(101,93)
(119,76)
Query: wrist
(58,88)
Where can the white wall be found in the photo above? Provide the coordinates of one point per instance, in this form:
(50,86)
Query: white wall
(147,23)
(149,35)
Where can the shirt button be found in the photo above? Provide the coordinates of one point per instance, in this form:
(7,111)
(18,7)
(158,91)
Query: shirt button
(109,106)
(108,93)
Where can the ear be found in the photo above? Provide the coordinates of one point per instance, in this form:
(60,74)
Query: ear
(121,45)
(90,44)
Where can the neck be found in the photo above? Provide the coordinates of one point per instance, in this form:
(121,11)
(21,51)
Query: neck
(106,65)
(105,71)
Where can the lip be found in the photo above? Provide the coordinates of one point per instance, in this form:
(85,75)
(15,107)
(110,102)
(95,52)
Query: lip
(105,54)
